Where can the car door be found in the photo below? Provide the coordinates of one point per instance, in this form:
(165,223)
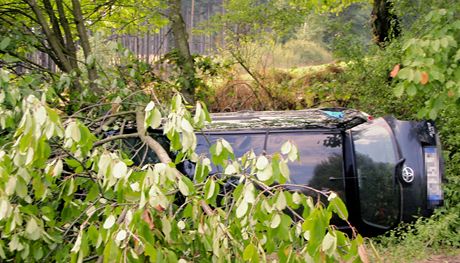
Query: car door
(376,161)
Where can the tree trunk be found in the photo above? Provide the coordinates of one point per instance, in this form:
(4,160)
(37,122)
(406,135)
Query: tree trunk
(70,45)
(185,63)
(385,24)
(84,40)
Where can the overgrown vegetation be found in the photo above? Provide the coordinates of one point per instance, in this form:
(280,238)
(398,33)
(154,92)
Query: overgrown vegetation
(414,76)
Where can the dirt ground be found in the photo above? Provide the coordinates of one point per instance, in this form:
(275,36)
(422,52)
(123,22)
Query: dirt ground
(442,259)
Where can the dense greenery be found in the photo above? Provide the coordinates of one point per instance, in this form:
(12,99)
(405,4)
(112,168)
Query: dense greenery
(69,188)
(416,76)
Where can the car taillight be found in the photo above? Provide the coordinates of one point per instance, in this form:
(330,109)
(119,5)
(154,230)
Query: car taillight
(433,176)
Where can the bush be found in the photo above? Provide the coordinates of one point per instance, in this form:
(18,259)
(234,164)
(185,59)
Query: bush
(298,53)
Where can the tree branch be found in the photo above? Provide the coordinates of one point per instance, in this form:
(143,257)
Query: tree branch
(71,49)
(152,143)
(253,75)
(160,151)
(116,137)
(83,35)
(50,37)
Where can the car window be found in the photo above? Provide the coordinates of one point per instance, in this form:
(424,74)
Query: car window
(240,142)
(376,157)
(321,158)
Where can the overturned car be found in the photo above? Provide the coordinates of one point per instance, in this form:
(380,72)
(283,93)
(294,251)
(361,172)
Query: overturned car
(386,170)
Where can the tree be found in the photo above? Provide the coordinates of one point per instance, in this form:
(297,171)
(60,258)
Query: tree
(185,60)
(51,27)
(60,28)
(385,24)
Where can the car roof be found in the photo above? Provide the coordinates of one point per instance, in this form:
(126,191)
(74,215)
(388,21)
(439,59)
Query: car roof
(329,118)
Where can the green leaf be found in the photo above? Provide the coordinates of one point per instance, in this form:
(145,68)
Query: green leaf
(433,114)
(284,169)
(76,246)
(405,73)
(156,119)
(209,188)
(411,90)
(73,131)
(286,147)
(119,170)
(398,90)
(276,220)
(109,222)
(92,193)
(21,188)
(281,201)
(186,186)
(329,244)
(4,43)
(249,252)
(241,209)
(266,174)
(33,231)
(339,207)
(262,162)
(150,106)
(37,251)
(121,235)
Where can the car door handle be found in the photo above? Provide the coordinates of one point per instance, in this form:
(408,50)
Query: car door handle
(335,178)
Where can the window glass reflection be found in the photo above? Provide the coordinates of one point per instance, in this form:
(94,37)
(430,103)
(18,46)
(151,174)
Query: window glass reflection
(321,160)
(375,162)
(241,143)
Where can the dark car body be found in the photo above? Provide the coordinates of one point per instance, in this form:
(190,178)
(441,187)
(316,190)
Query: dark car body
(387,171)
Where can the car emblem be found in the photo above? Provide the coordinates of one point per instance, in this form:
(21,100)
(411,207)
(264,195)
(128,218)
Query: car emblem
(408,174)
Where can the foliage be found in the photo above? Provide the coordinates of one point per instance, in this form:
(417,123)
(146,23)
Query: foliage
(297,53)
(429,65)
(68,191)
(415,76)
(324,28)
